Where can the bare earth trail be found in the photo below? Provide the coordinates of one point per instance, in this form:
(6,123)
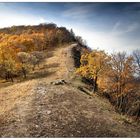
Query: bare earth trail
(36,108)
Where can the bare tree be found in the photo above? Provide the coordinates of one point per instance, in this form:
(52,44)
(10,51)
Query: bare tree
(122,70)
(121,75)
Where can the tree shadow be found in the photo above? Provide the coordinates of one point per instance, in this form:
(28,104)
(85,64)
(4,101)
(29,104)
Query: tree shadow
(49,54)
(41,74)
(53,65)
(35,75)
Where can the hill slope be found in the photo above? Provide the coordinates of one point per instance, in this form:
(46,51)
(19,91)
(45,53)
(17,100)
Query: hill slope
(38,108)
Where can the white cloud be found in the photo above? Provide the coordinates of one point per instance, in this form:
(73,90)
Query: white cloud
(42,20)
(10,18)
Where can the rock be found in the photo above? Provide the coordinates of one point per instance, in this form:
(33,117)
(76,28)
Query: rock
(36,126)
(59,82)
(48,112)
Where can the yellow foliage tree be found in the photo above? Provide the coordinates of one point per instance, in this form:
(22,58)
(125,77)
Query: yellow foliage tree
(93,66)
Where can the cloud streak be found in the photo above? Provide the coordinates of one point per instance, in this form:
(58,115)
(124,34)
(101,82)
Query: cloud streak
(121,28)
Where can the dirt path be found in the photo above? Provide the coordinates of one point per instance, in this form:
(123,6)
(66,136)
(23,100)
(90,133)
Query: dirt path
(37,108)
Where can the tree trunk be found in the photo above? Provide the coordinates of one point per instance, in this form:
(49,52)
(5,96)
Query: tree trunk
(121,103)
(9,76)
(24,72)
(6,76)
(33,68)
(95,85)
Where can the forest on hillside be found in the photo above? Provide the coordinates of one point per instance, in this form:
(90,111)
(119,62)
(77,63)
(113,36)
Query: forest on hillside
(115,76)
(22,47)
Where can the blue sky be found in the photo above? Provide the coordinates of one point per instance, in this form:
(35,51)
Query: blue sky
(108,26)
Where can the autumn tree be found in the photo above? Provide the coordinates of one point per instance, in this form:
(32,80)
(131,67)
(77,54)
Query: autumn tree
(33,61)
(120,77)
(93,66)
(8,61)
(7,68)
(122,71)
(23,58)
(36,58)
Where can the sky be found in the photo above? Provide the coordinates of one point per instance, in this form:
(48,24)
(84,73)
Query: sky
(107,26)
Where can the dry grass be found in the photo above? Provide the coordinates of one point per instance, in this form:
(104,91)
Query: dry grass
(12,95)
